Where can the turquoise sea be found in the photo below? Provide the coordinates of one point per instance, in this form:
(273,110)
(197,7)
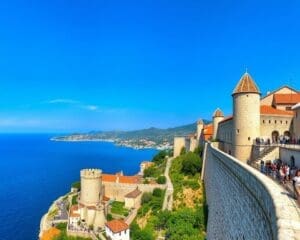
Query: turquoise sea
(34,171)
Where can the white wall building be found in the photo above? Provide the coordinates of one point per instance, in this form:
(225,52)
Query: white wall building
(117,230)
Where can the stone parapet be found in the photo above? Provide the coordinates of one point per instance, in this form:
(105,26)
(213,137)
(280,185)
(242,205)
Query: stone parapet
(245,204)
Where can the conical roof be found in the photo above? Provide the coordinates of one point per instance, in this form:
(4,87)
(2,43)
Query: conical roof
(200,121)
(218,113)
(246,85)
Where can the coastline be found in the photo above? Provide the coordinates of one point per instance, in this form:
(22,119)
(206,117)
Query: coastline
(115,142)
(44,223)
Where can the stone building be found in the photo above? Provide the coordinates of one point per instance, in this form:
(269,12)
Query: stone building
(189,143)
(90,206)
(117,230)
(257,120)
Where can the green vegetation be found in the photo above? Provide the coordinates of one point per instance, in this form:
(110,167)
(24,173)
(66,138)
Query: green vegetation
(188,219)
(76,185)
(185,173)
(156,135)
(74,200)
(156,171)
(136,233)
(151,207)
(118,208)
(191,164)
(63,234)
(161,180)
(151,202)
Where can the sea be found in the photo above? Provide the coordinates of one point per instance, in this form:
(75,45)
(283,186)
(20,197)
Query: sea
(34,171)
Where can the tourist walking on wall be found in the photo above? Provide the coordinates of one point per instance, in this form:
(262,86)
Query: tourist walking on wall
(296,182)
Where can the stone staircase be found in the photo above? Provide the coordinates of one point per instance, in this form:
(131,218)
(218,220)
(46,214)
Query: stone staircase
(264,156)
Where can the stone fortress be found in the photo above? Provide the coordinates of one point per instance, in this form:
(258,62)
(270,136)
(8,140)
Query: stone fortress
(97,192)
(271,119)
(244,203)
(90,204)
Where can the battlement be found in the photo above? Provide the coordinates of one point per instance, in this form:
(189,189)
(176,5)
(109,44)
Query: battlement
(90,173)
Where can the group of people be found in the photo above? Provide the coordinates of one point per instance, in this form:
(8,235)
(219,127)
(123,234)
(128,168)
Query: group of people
(280,140)
(282,172)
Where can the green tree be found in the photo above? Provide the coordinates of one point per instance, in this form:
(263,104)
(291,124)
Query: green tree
(191,164)
(161,180)
(146,197)
(183,151)
(157,192)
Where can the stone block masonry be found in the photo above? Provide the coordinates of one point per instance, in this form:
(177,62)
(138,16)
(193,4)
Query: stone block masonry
(245,204)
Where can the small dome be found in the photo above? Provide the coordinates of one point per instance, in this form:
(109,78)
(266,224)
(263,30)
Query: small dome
(246,85)
(218,113)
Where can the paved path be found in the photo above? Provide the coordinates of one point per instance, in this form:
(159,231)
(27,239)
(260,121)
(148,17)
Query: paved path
(168,201)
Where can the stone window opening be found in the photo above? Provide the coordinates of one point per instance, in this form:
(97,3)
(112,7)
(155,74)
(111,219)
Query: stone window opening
(249,138)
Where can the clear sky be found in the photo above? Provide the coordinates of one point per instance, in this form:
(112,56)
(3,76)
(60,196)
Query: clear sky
(98,65)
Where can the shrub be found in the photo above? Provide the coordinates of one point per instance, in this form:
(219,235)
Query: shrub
(146,197)
(157,192)
(182,151)
(76,185)
(161,180)
(191,164)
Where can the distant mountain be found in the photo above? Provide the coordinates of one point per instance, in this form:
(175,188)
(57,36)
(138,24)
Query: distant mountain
(137,137)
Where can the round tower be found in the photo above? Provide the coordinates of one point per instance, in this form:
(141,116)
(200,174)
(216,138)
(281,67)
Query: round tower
(246,117)
(90,186)
(217,117)
(200,126)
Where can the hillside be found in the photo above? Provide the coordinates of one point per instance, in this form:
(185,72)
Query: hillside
(143,137)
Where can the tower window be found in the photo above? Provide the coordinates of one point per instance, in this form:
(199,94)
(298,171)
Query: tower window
(238,131)
(269,121)
(249,138)
(275,121)
(263,121)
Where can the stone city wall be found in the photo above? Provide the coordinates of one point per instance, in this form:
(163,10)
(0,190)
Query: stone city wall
(117,191)
(245,204)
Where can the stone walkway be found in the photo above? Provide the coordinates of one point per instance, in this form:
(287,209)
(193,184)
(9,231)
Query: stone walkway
(168,200)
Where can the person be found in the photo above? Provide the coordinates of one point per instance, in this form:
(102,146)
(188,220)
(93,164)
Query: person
(282,174)
(296,183)
(287,173)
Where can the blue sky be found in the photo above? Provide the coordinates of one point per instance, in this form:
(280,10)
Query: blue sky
(88,65)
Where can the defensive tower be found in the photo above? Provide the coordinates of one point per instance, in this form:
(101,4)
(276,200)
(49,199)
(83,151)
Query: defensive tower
(246,117)
(90,186)
(217,117)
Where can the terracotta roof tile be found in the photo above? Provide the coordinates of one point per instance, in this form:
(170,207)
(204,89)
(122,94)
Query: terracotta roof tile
(287,98)
(268,110)
(120,178)
(246,85)
(117,226)
(134,194)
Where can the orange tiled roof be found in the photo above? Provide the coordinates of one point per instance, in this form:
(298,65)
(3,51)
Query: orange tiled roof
(268,110)
(122,179)
(246,85)
(208,129)
(117,226)
(287,98)
(50,234)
